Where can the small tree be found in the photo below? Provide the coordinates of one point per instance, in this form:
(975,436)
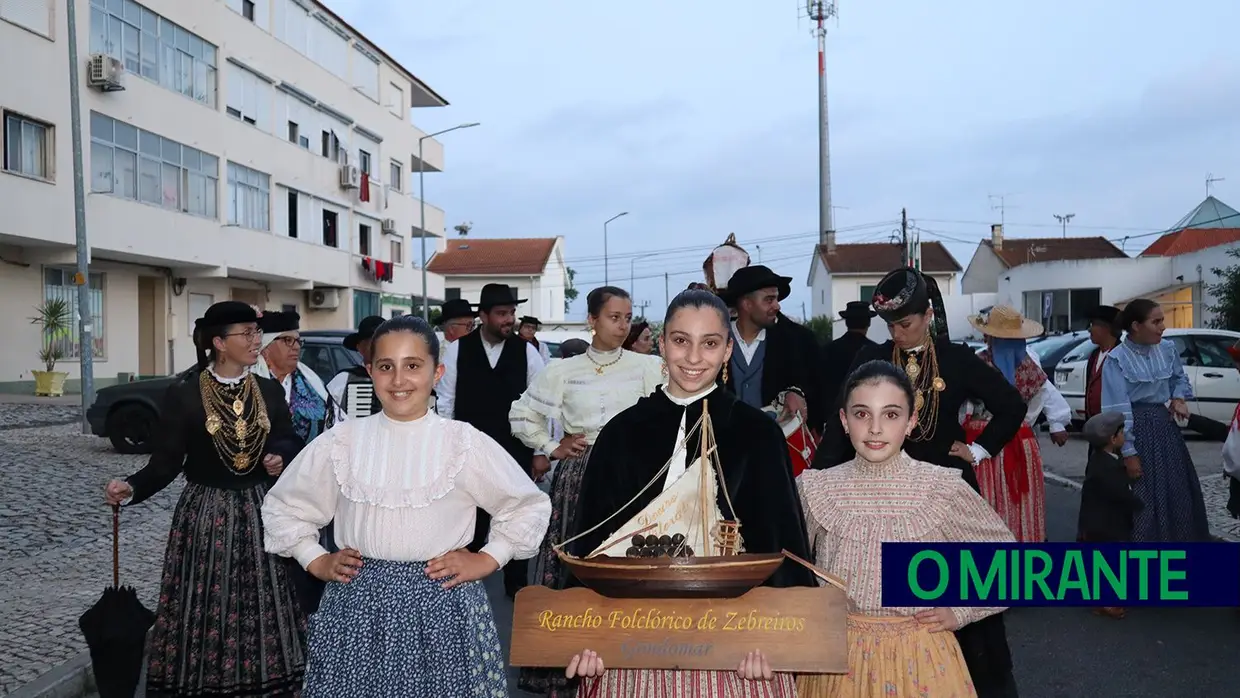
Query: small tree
(570,292)
(1226,295)
(54,317)
(822,327)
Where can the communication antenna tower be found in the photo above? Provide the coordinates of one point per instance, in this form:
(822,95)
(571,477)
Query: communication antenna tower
(819,11)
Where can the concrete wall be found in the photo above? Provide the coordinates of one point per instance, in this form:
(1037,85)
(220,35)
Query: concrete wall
(982,274)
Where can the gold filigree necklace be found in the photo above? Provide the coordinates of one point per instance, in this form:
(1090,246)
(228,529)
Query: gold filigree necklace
(598,368)
(928,384)
(237,421)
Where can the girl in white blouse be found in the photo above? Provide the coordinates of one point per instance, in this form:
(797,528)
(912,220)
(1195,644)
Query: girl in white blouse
(404,612)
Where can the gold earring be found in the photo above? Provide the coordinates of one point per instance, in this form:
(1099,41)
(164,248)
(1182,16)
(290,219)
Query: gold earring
(725,373)
(664,369)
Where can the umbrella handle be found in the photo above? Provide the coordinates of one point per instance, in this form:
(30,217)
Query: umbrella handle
(116,546)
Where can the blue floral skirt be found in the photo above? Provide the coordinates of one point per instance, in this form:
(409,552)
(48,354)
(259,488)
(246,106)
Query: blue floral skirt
(393,631)
(1174,509)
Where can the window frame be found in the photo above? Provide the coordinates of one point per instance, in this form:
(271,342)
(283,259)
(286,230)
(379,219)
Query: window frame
(396,176)
(179,55)
(48,145)
(197,171)
(249,197)
(68,291)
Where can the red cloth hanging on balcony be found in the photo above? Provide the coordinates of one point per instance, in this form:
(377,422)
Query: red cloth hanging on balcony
(364,194)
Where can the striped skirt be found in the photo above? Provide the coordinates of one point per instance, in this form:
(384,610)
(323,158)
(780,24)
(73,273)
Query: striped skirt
(894,657)
(550,572)
(228,621)
(666,683)
(1174,509)
(1012,482)
(393,631)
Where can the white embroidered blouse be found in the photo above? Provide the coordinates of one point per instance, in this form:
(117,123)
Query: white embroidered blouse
(404,491)
(853,508)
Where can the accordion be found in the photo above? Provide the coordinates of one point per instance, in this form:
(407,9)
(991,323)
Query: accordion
(359,399)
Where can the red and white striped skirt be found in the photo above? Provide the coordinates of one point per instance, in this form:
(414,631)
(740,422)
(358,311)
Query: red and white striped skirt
(1012,482)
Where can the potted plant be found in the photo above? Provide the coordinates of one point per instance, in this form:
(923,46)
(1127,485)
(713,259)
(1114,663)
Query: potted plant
(54,317)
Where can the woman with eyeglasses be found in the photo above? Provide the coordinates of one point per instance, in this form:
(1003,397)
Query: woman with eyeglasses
(228,621)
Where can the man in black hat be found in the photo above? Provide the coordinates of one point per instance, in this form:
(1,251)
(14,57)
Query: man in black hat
(1105,332)
(944,375)
(352,388)
(528,329)
(840,353)
(484,372)
(774,360)
(456,319)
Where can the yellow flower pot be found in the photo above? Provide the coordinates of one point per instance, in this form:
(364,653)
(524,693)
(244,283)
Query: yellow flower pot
(49,383)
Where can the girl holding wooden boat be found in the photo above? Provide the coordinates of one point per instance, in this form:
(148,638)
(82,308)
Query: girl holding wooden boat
(404,612)
(884,496)
(753,479)
(582,394)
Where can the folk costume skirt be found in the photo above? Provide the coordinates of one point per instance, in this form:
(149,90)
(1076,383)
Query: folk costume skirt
(549,571)
(1174,509)
(894,657)
(666,683)
(393,631)
(1013,484)
(228,621)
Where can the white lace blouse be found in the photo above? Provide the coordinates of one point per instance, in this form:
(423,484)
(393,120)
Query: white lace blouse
(404,491)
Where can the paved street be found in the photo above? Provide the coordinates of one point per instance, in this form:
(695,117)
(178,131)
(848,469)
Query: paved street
(55,556)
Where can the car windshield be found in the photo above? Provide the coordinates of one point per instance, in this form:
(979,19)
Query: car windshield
(1050,344)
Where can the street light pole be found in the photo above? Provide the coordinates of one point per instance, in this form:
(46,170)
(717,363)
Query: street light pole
(606,266)
(86,345)
(632,277)
(426,310)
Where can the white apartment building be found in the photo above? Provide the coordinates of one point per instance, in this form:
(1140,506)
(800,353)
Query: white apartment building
(259,150)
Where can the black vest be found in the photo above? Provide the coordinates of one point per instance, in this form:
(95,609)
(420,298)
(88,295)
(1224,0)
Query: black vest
(484,395)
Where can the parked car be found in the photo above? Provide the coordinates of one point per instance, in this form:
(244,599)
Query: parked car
(1211,372)
(128,414)
(1051,350)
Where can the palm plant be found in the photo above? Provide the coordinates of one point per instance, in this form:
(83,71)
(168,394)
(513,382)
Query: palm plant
(54,317)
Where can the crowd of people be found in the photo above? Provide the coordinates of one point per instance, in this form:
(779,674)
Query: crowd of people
(332,538)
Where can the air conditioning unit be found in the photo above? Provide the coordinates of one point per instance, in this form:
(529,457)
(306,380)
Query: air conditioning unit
(350,177)
(389,225)
(324,299)
(104,73)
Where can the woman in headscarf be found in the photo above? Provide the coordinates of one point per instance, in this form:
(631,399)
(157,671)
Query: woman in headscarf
(1011,480)
(280,360)
(228,622)
(641,339)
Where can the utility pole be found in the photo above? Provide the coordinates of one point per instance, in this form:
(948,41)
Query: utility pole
(86,344)
(820,11)
(1064,220)
(643,306)
(667,299)
(905,258)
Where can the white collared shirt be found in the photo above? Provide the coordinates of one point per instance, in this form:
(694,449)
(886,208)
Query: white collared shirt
(748,349)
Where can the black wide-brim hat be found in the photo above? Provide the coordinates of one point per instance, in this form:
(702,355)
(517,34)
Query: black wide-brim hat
(497,294)
(1105,313)
(365,330)
(530,320)
(456,308)
(279,321)
(857,310)
(755,278)
(227,313)
(902,292)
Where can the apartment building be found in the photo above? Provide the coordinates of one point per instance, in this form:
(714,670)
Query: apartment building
(259,150)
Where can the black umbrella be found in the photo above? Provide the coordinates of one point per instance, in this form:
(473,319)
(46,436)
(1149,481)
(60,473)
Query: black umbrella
(115,630)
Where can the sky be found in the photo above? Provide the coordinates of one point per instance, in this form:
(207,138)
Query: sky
(700,119)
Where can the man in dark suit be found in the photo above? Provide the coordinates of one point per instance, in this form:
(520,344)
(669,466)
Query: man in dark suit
(1105,332)
(839,354)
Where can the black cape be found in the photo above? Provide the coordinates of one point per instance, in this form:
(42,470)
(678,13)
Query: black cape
(754,457)
(791,360)
(837,358)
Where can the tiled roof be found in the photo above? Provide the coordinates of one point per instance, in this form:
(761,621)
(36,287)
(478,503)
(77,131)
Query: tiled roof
(882,257)
(1018,251)
(492,257)
(1185,241)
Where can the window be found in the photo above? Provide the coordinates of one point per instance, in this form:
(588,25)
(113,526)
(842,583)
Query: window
(134,164)
(395,170)
(396,100)
(363,161)
(35,15)
(397,252)
(365,72)
(333,149)
(396,313)
(198,304)
(249,197)
(154,48)
(249,97)
(867,293)
(365,304)
(292,214)
(513,290)
(328,47)
(331,236)
(1213,350)
(58,285)
(1188,355)
(452,294)
(363,240)
(27,146)
(294,132)
(247,9)
(288,308)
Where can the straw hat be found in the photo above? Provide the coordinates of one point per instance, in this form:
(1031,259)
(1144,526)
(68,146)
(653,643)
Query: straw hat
(1005,322)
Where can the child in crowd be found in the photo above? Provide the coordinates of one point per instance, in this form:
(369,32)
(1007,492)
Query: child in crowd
(1107,501)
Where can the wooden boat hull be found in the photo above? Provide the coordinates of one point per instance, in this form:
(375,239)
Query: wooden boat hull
(682,578)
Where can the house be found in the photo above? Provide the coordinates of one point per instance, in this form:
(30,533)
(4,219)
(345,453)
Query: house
(849,272)
(995,256)
(258,151)
(533,267)
(1176,270)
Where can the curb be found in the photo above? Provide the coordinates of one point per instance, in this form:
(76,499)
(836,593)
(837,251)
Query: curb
(73,679)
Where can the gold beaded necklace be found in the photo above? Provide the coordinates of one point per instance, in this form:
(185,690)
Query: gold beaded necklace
(927,385)
(237,421)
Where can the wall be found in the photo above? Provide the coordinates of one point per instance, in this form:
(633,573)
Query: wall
(982,274)
(547,306)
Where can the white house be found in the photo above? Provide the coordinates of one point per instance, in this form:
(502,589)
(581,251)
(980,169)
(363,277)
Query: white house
(533,267)
(259,150)
(849,272)
(995,256)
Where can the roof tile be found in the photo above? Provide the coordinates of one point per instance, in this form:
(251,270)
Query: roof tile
(1191,240)
(1018,251)
(882,257)
(493,257)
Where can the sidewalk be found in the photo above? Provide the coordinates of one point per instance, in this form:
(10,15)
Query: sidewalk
(18,399)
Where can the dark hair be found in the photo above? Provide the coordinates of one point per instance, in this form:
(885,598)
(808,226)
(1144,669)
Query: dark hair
(697,298)
(634,332)
(872,372)
(204,342)
(573,347)
(1137,310)
(413,324)
(599,297)
(857,323)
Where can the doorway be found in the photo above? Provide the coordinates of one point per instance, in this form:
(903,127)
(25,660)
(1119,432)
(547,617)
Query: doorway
(150,325)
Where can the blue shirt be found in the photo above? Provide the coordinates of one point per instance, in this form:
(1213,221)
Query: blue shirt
(1142,373)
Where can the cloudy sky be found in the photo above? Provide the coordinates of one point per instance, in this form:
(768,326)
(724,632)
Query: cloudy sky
(700,119)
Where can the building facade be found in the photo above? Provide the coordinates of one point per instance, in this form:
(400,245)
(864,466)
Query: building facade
(258,150)
(533,267)
(850,272)
(995,256)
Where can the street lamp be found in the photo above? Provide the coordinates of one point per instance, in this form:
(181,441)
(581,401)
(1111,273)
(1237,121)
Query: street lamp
(632,278)
(426,310)
(606,267)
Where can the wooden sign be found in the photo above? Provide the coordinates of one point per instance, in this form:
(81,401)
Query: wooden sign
(800,629)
